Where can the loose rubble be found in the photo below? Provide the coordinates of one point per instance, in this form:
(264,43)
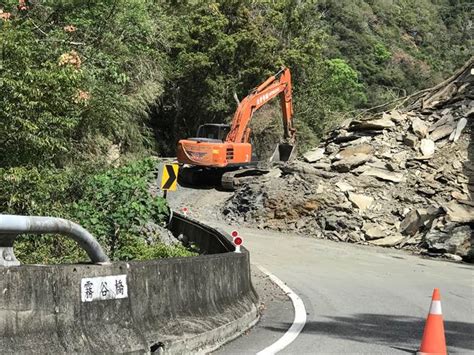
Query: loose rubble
(403,179)
(155,233)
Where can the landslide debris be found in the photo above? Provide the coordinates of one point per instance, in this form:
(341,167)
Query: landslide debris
(400,179)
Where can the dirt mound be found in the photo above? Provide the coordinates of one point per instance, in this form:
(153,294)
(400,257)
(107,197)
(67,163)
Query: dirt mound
(400,179)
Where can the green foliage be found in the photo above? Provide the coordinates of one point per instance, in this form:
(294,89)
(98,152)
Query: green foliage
(344,55)
(342,79)
(72,69)
(213,54)
(33,191)
(227,47)
(113,205)
(117,202)
(50,192)
(37,110)
(398,47)
(137,249)
(79,76)
(381,53)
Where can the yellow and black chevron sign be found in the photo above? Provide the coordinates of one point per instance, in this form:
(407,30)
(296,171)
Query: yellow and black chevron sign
(169,178)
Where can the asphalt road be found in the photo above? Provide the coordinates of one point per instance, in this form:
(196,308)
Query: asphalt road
(359,299)
(363,299)
(275,309)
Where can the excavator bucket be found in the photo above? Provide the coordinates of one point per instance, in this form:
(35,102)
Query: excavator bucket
(283,152)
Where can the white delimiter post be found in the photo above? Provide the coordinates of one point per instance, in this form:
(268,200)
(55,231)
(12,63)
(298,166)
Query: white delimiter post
(237,242)
(185,211)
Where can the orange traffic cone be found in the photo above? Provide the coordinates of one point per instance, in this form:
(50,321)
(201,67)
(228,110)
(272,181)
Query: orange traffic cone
(433,341)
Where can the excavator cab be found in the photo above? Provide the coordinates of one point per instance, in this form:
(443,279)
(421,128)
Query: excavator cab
(212,132)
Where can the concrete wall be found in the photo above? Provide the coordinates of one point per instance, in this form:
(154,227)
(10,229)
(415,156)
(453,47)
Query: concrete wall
(187,304)
(210,240)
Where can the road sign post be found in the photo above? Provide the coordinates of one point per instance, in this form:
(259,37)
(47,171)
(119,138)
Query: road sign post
(169,178)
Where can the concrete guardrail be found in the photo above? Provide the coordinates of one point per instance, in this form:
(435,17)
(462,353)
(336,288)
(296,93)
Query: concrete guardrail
(177,305)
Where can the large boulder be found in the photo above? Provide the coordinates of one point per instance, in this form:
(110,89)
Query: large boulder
(351,162)
(362,202)
(379,124)
(459,212)
(419,128)
(418,218)
(314,155)
(386,175)
(453,239)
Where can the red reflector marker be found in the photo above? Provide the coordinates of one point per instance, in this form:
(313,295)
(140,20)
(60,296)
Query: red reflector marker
(237,242)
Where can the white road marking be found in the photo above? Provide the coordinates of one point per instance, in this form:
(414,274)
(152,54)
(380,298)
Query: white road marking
(298,322)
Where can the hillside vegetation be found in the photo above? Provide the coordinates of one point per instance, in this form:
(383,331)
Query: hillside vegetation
(88,86)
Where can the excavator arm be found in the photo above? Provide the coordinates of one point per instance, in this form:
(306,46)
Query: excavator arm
(276,85)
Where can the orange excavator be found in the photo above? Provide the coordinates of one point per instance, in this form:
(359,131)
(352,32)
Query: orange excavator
(225,150)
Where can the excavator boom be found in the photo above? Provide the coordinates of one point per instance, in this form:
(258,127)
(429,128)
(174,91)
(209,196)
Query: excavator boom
(278,84)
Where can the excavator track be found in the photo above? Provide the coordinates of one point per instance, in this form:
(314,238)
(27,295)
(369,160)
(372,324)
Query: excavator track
(228,180)
(199,177)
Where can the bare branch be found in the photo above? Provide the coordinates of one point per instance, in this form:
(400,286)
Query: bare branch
(236,98)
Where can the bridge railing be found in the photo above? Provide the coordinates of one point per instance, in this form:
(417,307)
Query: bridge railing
(11,226)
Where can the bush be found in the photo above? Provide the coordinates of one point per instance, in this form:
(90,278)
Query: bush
(74,69)
(34,191)
(137,249)
(112,204)
(117,202)
(49,192)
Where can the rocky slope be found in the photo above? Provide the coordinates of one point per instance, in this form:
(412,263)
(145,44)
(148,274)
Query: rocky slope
(403,178)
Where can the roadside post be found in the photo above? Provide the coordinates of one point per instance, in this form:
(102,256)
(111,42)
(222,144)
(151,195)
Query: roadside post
(169,178)
(236,240)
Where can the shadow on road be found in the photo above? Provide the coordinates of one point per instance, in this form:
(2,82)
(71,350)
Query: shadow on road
(399,332)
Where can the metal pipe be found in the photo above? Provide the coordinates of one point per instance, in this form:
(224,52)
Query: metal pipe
(12,225)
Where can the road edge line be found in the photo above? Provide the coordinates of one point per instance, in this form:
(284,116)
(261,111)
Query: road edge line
(298,322)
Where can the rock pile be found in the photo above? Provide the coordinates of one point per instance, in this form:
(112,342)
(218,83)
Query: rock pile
(400,179)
